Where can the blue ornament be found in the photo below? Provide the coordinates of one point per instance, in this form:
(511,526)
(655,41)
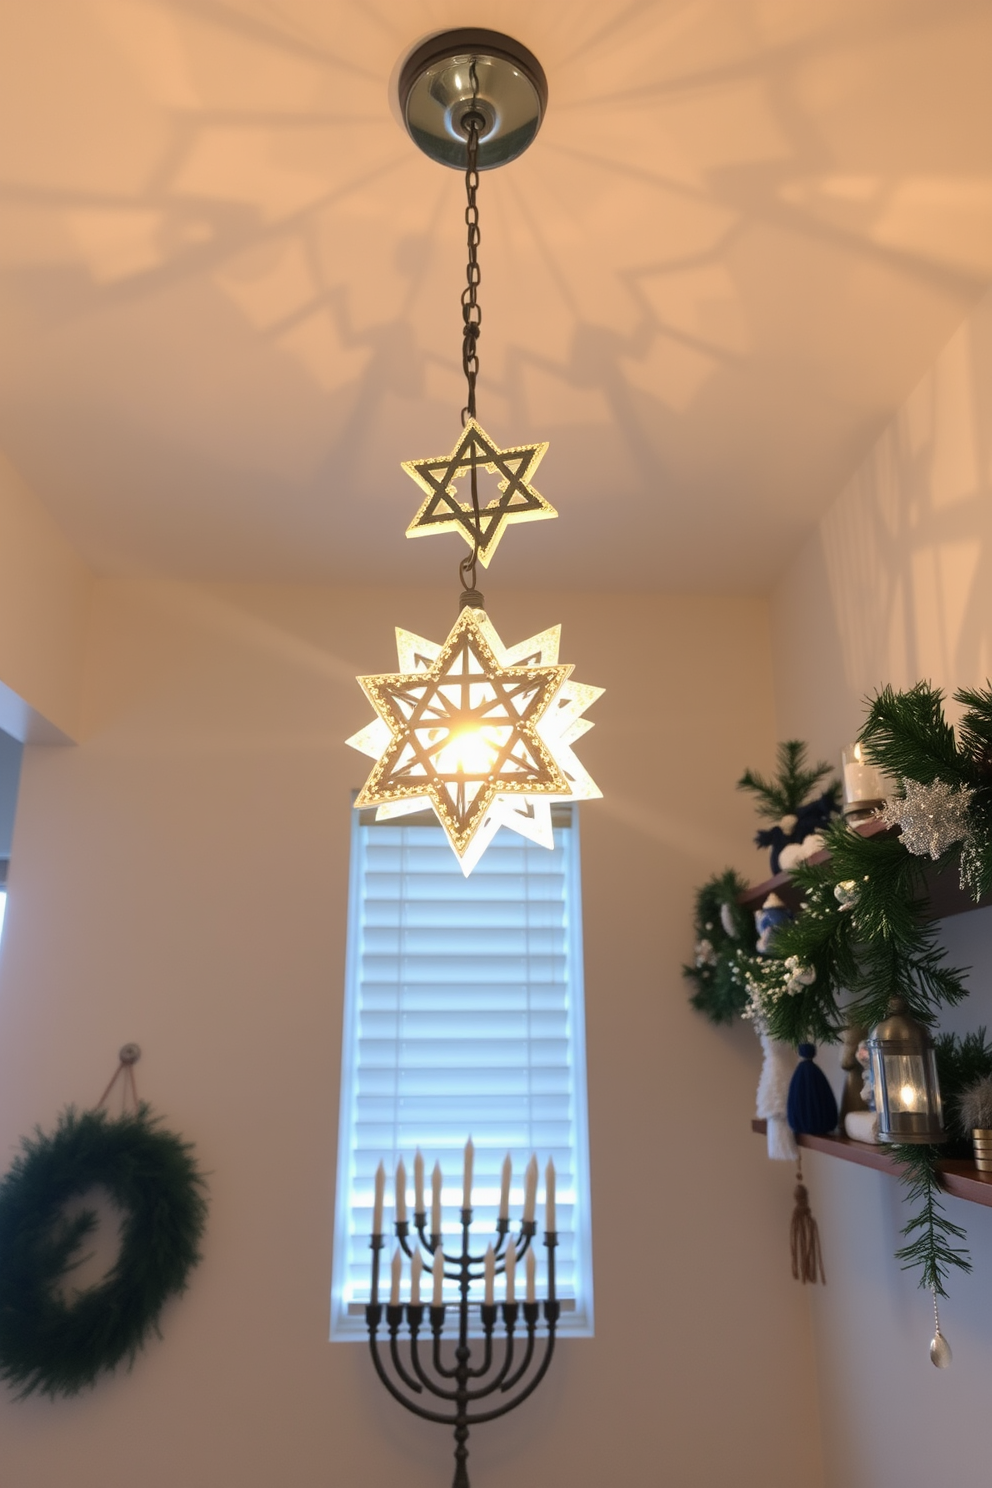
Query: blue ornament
(811,1106)
(767,920)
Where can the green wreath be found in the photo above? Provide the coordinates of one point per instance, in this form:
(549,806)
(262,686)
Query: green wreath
(723,929)
(58,1345)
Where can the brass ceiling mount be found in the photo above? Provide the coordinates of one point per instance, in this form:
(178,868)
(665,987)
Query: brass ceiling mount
(437,90)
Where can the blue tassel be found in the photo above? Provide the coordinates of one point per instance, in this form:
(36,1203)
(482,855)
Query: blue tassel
(811,1106)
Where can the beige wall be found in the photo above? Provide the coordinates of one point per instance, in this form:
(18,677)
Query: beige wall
(44,607)
(894,586)
(179,878)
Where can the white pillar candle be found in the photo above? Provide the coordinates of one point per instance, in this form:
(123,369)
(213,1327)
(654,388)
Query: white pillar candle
(531,1276)
(530,1189)
(394,1295)
(510,1263)
(439,1277)
(467,1185)
(416,1267)
(418,1183)
(380,1193)
(504,1188)
(401,1190)
(490,1268)
(436,1200)
(862,780)
(550,1224)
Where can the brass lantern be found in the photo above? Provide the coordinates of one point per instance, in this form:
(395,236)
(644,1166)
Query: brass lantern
(904,1074)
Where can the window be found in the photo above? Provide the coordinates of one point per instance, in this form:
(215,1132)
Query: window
(10,775)
(463,1017)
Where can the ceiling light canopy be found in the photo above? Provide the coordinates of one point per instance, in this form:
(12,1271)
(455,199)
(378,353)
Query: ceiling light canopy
(481,732)
(466,70)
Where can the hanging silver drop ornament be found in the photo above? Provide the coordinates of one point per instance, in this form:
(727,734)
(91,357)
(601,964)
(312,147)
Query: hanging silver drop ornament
(940,1349)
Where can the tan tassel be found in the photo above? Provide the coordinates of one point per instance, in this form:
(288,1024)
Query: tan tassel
(805,1237)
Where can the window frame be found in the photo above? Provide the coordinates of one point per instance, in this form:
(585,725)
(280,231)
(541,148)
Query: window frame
(347,1323)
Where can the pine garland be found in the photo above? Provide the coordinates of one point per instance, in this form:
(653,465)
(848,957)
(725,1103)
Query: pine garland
(862,930)
(908,736)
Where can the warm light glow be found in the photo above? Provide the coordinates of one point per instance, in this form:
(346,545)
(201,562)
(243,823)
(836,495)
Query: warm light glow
(481,732)
(909,1097)
(468,752)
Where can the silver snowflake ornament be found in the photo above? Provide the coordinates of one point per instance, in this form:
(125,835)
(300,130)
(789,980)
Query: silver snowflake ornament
(932,817)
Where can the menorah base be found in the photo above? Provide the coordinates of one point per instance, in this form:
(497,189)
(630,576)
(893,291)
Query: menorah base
(461,1459)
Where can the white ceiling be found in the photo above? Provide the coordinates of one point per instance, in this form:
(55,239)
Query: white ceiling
(229,282)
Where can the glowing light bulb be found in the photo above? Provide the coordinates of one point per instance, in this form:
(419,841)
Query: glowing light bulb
(467,752)
(908,1097)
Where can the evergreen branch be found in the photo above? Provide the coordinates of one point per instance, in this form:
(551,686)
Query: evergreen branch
(785,793)
(975,727)
(961,1063)
(888,880)
(907,735)
(929,1233)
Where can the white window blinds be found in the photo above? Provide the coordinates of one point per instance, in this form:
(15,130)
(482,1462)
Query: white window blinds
(463,1017)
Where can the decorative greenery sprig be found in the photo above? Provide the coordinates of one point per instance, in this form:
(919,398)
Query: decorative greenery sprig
(784,795)
(930,1235)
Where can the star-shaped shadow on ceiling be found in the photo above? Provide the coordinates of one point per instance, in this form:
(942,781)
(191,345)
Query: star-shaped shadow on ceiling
(517,500)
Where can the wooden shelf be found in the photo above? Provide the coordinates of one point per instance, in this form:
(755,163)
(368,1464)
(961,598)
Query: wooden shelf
(958,1177)
(944,893)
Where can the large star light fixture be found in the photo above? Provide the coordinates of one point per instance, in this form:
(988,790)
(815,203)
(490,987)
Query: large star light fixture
(479,731)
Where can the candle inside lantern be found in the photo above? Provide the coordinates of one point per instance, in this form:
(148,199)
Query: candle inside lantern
(531,1269)
(550,1224)
(394,1295)
(906,1082)
(530,1189)
(418,1182)
(510,1264)
(436,1200)
(401,1191)
(416,1268)
(490,1269)
(467,1185)
(380,1194)
(504,1188)
(438,1298)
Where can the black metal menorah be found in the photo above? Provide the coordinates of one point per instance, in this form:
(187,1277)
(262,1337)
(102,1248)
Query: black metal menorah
(465,1391)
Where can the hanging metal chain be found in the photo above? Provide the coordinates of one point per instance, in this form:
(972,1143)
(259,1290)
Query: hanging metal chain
(473,122)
